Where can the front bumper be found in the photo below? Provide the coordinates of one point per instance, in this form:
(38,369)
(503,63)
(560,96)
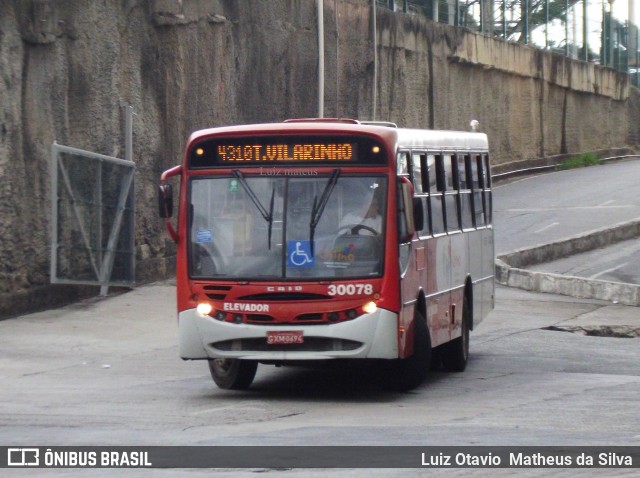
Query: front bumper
(369,336)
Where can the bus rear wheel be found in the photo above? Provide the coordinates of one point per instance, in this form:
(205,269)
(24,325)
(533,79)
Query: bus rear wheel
(408,373)
(455,354)
(233,374)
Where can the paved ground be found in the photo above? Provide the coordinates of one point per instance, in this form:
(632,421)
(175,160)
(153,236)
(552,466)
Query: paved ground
(566,208)
(107,372)
(619,262)
(86,373)
(547,207)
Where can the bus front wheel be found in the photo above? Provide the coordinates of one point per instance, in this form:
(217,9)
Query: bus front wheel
(233,374)
(408,373)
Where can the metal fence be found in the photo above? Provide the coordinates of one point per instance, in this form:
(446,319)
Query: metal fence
(93,226)
(586,30)
(93,215)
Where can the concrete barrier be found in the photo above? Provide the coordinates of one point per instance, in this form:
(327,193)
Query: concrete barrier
(511,269)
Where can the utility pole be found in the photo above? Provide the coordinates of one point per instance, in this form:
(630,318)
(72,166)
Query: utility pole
(374,20)
(585,30)
(634,47)
(320,4)
(612,36)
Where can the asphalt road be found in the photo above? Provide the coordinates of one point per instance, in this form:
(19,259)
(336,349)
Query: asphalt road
(107,372)
(618,263)
(543,208)
(548,207)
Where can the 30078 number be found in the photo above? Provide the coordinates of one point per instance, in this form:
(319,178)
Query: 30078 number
(350,289)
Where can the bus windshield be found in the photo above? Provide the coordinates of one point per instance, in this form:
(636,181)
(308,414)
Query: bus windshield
(273,226)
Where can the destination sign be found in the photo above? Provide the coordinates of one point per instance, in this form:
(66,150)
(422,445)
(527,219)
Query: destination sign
(285,152)
(282,150)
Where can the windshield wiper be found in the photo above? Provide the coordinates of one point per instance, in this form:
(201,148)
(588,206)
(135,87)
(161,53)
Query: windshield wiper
(318,207)
(267,215)
(273,194)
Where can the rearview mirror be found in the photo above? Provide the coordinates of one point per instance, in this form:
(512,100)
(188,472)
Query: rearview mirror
(407,226)
(165,200)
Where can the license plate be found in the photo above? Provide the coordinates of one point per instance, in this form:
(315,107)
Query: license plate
(287,338)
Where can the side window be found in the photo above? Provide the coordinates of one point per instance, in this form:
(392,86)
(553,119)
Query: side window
(421,186)
(416,166)
(451,193)
(402,163)
(449,172)
(464,183)
(435,175)
(403,169)
(477,183)
(488,203)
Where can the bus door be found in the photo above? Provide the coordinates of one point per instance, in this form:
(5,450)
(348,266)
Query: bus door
(409,279)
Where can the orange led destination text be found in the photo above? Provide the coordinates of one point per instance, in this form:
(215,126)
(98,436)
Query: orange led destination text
(287,152)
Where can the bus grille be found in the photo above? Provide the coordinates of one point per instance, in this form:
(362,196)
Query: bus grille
(311,344)
(216,292)
(307,319)
(285,296)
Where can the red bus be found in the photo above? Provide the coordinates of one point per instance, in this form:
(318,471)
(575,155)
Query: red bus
(326,239)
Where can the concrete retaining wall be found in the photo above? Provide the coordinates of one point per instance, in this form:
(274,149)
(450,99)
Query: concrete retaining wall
(511,268)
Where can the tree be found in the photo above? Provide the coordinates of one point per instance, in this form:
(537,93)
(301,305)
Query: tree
(534,14)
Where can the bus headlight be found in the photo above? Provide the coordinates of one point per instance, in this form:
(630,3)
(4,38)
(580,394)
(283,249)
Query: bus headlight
(204,309)
(370,307)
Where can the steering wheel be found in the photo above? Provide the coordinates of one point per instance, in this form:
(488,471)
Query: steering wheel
(355,229)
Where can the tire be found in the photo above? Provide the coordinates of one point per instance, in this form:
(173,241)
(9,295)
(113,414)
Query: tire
(233,374)
(406,374)
(455,354)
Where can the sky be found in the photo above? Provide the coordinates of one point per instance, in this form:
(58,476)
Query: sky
(621,10)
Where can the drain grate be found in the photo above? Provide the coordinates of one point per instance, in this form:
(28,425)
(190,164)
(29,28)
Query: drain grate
(618,331)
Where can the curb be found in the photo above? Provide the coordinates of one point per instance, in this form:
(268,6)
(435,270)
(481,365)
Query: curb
(510,268)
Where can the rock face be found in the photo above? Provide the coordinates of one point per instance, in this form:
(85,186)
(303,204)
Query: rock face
(190,64)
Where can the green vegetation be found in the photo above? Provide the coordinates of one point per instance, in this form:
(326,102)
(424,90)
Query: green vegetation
(584,160)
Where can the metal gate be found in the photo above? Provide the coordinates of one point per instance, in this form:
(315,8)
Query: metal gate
(93,219)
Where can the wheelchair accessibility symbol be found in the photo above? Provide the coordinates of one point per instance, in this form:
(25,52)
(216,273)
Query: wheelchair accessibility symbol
(299,254)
